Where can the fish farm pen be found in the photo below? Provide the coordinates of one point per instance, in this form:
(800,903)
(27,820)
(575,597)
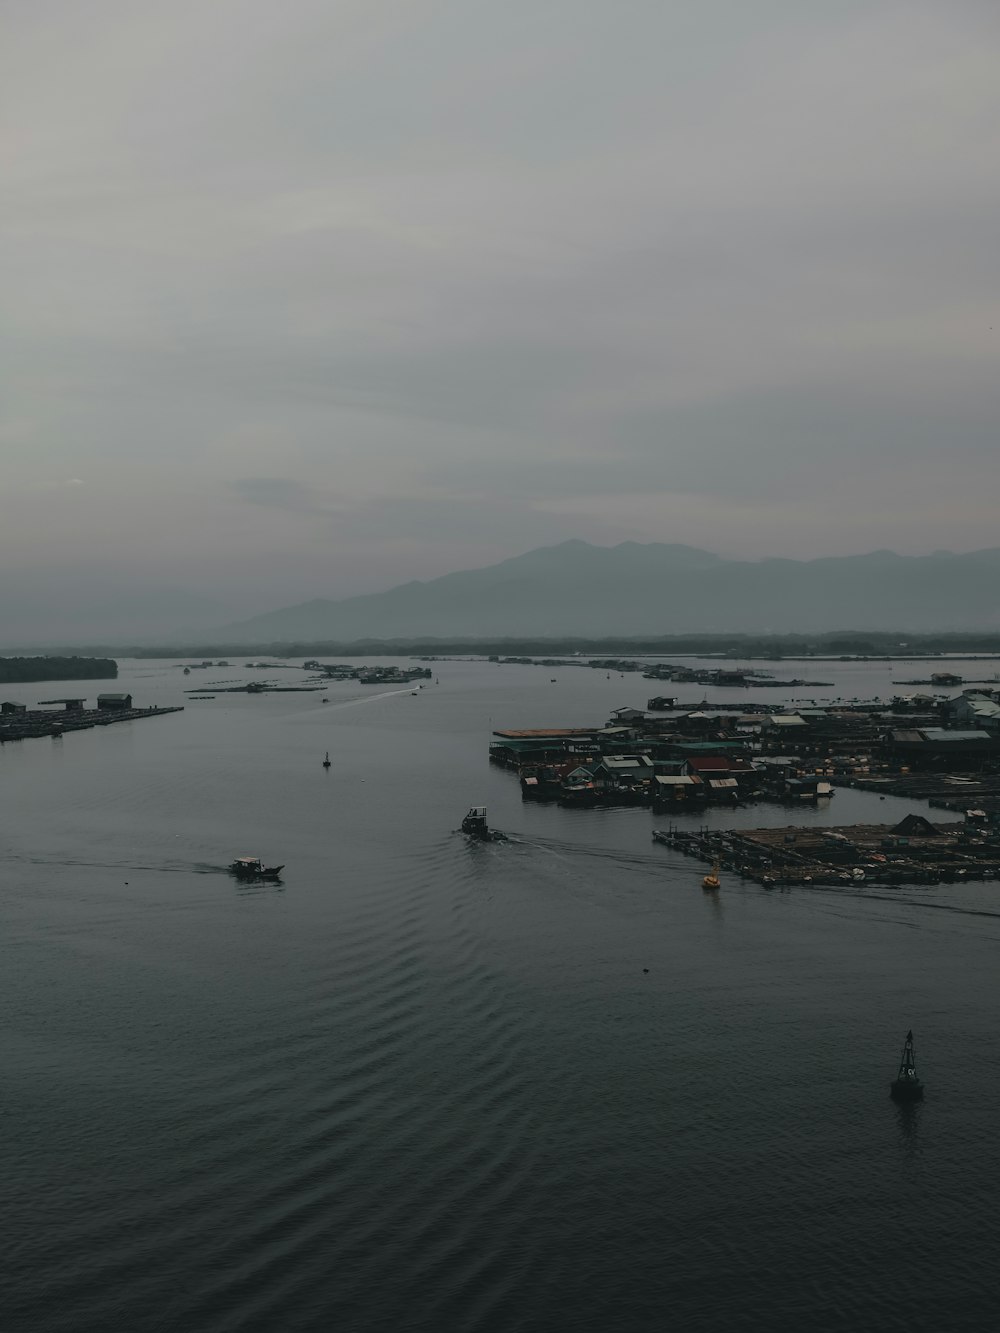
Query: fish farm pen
(33,723)
(946,791)
(911,852)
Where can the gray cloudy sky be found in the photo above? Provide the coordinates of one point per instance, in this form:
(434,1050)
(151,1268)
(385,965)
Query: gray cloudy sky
(311,297)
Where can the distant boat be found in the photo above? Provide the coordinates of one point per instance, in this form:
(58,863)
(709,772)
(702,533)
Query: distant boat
(712,880)
(326,761)
(906,1087)
(252,868)
(475,826)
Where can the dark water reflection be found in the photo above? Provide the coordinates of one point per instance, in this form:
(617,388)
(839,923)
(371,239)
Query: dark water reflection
(422,1084)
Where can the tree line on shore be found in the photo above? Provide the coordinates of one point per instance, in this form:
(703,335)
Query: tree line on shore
(19,669)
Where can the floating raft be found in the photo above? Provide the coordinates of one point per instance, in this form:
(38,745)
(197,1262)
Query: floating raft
(911,852)
(44,722)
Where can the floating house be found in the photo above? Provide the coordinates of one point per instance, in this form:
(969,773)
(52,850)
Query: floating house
(671,788)
(116,703)
(974,710)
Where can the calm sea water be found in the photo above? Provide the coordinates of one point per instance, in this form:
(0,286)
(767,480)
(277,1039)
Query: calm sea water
(426,1085)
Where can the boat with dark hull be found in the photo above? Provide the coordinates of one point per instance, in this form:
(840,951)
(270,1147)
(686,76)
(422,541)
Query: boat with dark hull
(906,1087)
(474,825)
(253,868)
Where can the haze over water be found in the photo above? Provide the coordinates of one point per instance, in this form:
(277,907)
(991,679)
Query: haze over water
(428,1085)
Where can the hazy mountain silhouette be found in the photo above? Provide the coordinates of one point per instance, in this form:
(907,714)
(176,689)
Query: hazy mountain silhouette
(579,589)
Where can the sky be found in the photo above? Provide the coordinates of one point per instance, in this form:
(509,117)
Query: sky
(311,298)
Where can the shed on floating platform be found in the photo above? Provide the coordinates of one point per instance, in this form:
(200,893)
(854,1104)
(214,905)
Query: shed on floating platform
(70,705)
(114,702)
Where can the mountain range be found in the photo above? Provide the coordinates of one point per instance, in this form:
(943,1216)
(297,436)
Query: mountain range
(576,588)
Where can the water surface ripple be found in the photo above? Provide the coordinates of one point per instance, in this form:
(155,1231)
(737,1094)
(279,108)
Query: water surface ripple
(427,1085)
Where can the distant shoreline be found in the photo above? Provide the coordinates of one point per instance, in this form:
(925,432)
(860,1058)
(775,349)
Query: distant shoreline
(829,647)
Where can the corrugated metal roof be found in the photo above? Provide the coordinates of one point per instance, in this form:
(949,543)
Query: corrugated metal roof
(541,733)
(518,745)
(941,734)
(704,747)
(671,780)
(723,782)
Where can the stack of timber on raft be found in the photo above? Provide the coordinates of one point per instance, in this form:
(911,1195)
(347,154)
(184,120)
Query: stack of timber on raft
(914,851)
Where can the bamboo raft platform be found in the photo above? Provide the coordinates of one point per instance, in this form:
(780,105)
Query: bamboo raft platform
(949,791)
(851,855)
(36,723)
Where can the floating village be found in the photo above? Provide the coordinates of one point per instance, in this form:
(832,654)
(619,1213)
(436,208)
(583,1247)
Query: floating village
(55,717)
(678,758)
(316,682)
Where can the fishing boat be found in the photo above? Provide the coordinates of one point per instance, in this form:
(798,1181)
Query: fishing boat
(906,1087)
(252,867)
(474,825)
(712,880)
(326,761)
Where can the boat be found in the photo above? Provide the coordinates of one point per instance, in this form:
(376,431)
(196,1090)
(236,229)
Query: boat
(712,880)
(252,867)
(475,826)
(906,1087)
(326,761)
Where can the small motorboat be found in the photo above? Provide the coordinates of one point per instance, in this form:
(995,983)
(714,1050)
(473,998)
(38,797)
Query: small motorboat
(474,825)
(252,867)
(906,1087)
(326,761)
(712,880)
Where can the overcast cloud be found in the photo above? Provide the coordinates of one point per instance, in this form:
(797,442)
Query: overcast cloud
(309,298)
